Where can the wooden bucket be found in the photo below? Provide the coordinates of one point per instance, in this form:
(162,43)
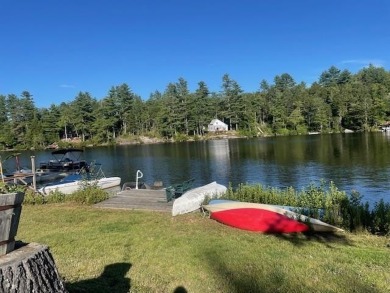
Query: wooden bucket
(10,209)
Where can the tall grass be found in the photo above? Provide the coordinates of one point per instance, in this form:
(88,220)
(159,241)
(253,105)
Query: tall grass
(88,195)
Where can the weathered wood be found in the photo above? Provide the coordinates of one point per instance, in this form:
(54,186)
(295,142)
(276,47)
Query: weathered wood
(30,268)
(138,199)
(10,209)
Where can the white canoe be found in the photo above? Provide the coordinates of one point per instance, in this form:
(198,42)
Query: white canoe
(192,200)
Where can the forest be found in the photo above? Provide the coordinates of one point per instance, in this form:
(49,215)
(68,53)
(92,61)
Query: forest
(339,100)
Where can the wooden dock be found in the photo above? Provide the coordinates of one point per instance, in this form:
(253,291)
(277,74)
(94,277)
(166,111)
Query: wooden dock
(138,199)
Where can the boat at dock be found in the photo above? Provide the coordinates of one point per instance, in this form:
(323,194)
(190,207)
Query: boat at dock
(77,181)
(65,160)
(26,176)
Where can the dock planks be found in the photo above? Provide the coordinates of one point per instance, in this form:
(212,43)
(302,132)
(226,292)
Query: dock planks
(138,199)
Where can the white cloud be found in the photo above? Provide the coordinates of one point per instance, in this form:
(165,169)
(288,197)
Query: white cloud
(67,86)
(365,62)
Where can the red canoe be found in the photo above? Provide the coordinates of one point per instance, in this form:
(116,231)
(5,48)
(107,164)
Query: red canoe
(259,220)
(264,218)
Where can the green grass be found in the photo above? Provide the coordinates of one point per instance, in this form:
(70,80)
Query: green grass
(98,250)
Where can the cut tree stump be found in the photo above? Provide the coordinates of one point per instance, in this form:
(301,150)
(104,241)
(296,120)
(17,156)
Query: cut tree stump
(29,268)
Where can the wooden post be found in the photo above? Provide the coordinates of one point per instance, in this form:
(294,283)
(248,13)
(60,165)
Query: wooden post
(1,170)
(34,173)
(10,210)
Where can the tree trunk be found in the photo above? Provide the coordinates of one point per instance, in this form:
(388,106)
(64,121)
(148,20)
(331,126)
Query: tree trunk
(30,268)
(66,133)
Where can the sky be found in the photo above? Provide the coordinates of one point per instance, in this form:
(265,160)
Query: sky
(56,49)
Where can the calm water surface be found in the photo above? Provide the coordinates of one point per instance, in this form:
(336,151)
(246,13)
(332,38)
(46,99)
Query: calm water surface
(353,161)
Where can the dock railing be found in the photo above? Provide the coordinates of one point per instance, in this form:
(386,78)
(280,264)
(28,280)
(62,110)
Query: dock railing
(176,190)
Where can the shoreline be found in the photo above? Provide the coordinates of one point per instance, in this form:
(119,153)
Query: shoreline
(140,140)
(149,140)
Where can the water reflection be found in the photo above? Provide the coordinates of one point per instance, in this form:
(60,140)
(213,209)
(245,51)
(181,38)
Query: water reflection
(219,158)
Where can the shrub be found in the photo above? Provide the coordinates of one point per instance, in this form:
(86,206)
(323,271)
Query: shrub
(88,195)
(180,137)
(32,197)
(381,218)
(10,187)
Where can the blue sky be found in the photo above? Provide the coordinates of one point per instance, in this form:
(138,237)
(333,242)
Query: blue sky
(56,49)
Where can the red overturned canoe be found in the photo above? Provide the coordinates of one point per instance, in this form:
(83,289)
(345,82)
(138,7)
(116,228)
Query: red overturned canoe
(263,218)
(259,220)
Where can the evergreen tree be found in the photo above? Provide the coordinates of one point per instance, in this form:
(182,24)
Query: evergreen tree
(81,114)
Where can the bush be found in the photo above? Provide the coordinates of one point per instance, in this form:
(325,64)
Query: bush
(180,137)
(10,187)
(87,195)
(32,197)
(381,218)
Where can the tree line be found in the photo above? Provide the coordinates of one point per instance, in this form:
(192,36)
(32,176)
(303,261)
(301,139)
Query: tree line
(338,100)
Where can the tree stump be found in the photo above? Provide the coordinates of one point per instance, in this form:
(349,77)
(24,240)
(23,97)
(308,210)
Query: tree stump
(30,268)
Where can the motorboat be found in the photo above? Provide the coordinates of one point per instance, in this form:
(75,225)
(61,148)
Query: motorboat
(65,160)
(77,181)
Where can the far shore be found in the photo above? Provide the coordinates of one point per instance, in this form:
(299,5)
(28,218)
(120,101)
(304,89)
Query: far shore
(142,139)
(154,140)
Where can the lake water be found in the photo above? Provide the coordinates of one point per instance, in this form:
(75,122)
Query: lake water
(358,162)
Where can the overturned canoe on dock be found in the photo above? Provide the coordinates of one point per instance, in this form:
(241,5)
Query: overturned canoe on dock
(192,200)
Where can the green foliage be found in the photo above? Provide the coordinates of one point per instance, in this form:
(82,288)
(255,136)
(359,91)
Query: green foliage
(282,131)
(88,195)
(301,129)
(180,137)
(248,132)
(10,187)
(339,100)
(381,218)
(33,198)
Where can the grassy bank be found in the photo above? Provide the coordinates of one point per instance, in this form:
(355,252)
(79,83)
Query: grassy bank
(99,250)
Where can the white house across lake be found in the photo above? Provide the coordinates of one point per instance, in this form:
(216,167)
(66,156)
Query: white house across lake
(217,125)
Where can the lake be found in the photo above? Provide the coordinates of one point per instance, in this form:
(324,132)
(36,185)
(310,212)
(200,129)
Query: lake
(353,161)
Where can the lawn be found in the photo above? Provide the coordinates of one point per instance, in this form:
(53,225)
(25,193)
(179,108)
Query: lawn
(102,250)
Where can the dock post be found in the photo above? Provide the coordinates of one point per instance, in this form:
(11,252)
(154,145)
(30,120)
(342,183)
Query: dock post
(138,175)
(34,173)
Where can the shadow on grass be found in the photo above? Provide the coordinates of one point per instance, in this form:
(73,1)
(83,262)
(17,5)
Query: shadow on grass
(257,278)
(287,229)
(325,238)
(111,280)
